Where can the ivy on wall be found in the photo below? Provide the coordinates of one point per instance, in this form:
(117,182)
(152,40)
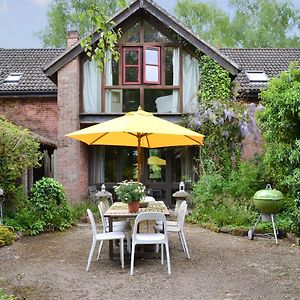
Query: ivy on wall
(215,82)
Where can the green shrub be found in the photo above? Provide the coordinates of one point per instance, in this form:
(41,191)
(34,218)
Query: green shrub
(49,201)
(3,296)
(6,236)
(26,220)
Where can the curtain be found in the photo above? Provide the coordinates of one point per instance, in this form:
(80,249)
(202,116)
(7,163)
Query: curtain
(108,81)
(91,87)
(176,64)
(97,161)
(191,78)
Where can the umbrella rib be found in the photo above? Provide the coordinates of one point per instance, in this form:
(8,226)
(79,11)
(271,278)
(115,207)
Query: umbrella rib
(98,138)
(193,139)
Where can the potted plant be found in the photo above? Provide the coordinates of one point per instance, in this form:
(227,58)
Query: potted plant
(130,192)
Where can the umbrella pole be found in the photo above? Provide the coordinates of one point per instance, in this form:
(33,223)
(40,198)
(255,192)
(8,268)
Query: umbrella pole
(139,159)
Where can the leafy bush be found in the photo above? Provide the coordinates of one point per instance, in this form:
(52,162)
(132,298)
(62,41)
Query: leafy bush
(49,201)
(4,296)
(6,236)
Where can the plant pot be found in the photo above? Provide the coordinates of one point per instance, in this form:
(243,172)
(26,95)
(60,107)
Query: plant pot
(133,207)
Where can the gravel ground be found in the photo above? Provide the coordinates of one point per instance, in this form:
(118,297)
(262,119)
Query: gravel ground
(52,266)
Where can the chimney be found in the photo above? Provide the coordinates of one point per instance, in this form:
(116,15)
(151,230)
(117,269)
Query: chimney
(73,37)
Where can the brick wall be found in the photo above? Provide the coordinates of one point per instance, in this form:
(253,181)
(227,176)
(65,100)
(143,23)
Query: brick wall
(39,115)
(72,156)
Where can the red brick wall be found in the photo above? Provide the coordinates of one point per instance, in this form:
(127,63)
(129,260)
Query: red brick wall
(72,156)
(39,115)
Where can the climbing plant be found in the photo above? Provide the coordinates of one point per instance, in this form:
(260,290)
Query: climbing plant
(215,82)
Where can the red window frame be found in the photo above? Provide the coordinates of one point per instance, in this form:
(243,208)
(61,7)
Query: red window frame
(156,65)
(125,66)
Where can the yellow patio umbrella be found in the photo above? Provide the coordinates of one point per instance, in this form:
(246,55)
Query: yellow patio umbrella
(155,160)
(138,129)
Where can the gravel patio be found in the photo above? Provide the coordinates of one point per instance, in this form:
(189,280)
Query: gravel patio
(52,266)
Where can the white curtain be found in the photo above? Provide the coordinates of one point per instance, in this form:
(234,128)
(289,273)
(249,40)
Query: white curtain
(176,64)
(91,87)
(191,77)
(108,81)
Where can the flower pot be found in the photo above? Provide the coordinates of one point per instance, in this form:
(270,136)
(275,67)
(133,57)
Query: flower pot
(133,207)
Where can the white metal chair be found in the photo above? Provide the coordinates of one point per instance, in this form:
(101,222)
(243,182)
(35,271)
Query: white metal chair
(148,199)
(178,226)
(123,226)
(150,238)
(104,237)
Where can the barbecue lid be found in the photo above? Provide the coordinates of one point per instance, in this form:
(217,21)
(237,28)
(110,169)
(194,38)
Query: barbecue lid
(268,194)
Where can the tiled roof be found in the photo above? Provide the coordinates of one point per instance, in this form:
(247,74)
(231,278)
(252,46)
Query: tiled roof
(29,62)
(270,60)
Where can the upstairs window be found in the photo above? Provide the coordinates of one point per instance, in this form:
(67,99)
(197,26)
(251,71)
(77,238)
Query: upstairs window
(141,69)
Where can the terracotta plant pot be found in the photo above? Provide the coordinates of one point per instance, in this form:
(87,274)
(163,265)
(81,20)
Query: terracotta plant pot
(133,207)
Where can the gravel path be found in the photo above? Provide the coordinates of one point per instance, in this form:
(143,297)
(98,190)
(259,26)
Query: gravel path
(52,266)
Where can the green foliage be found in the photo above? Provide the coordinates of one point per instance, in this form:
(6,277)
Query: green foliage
(4,296)
(78,211)
(18,151)
(248,24)
(6,236)
(129,191)
(280,125)
(215,81)
(207,20)
(50,203)
(64,15)
(221,124)
(107,37)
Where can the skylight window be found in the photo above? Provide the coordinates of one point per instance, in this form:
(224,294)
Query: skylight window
(257,76)
(13,78)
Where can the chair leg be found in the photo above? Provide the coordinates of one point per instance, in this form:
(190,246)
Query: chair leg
(91,255)
(132,259)
(181,241)
(122,252)
(168,258)
(162,253)
(100,249)
(185,245)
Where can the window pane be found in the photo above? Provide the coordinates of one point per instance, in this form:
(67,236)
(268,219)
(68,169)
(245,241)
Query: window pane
(157,165)
(169,65)
(151,74)
(164,100)
(111,164)
(129,164)
(131,100)
(131,57)
(131,74)
(152,56)
(115,72)
(132,35)
(153,35)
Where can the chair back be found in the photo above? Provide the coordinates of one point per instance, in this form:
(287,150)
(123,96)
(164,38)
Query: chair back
(147,216)
(149,199)
(181,214)
(93,224)
(102,209)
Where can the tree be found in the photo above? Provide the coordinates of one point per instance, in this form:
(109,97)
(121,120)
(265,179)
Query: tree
(18,151)
(65,15)
(280,125)
(252,23)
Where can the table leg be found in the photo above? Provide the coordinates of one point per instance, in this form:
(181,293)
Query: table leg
(111,242)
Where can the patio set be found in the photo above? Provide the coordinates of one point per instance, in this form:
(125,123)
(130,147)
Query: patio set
(151,211)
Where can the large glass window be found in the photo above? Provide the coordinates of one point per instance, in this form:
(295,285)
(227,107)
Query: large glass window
(131,100)
(131,65)
(158,100)
(152,65)
(169,65)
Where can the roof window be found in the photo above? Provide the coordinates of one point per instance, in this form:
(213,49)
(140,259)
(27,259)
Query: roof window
(257,76)
(13,78)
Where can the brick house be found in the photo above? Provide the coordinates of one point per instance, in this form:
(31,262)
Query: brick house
(158,69)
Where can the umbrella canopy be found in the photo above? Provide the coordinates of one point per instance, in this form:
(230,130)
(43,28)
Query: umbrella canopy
(138,129)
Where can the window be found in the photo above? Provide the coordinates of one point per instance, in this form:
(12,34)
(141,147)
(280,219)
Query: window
(132,65)
(257,76)
(13,77)
(152,65)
